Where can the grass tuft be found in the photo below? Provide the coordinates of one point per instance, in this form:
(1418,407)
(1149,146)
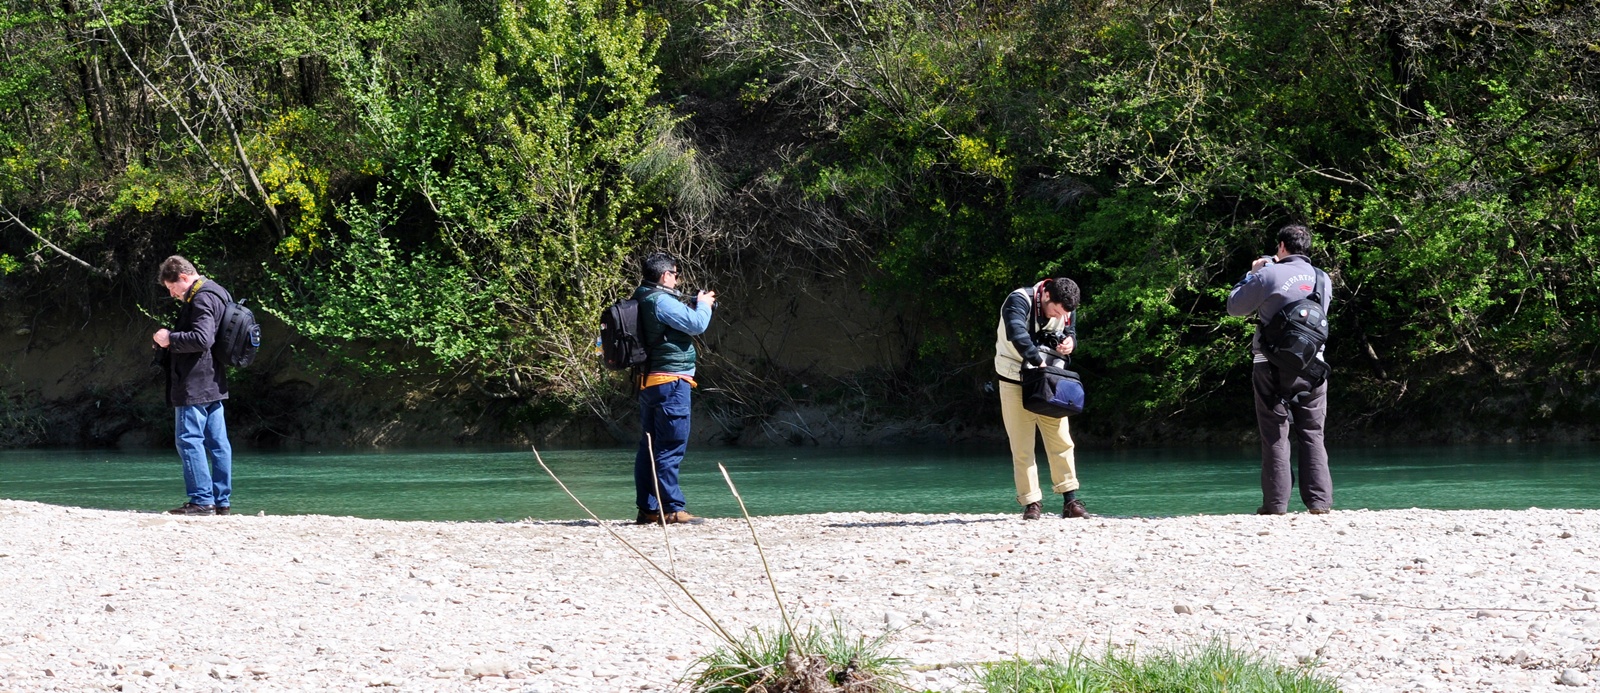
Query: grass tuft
(814,659)
(1213,667)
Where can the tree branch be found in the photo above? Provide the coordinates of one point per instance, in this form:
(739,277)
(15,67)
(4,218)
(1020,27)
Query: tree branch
(264,207)
(104,273)
(269,211)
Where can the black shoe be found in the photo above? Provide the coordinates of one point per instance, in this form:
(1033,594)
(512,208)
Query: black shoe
(1264,511)
(1074,508)
(1031,512)
(224,509)
(192,509)
(647,518)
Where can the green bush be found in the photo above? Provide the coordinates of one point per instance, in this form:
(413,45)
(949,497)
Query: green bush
(779,662)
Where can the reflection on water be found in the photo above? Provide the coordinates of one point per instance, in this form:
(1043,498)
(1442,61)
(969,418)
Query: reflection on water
(478,485)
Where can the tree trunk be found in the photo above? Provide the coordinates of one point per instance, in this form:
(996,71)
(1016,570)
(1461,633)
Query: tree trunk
(92,106)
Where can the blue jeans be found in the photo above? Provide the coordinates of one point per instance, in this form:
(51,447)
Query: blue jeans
(664,415)
(201,431)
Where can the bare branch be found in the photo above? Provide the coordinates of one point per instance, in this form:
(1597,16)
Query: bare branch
(183,122)
(14,220)
(263,205)
(268,210)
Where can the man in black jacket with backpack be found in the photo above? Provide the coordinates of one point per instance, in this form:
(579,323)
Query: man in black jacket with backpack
(196,387)
(1288,397)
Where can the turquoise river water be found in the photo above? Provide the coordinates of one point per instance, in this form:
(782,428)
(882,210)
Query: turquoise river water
(509,485)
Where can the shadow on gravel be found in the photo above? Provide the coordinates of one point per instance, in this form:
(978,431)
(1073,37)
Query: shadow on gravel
(918,523)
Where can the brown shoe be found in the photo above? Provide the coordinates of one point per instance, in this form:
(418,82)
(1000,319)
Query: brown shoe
(647,518)
(1320,511)
(192,509)
(682,517)
(224,509)
(1264,510)
(1031,512)
(1074,508)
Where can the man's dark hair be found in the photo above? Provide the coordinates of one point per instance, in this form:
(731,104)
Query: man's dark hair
(1295,238)
(656,264)
(1063,291)
(174,266)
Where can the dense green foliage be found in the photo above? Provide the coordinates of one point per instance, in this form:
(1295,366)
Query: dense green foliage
(467,180)
(1445,153)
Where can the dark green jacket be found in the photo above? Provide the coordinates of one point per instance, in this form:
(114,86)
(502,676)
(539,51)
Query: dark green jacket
(668,327)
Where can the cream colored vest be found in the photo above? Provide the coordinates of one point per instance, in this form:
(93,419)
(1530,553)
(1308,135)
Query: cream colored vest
(1007,362)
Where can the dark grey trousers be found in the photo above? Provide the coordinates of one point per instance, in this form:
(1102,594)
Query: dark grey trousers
(1277,411)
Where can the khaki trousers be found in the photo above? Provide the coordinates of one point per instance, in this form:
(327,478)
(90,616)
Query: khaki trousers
(1020,425)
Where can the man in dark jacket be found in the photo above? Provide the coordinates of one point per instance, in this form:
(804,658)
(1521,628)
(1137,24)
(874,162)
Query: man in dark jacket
(1286,401)
(196,386)
(668,327)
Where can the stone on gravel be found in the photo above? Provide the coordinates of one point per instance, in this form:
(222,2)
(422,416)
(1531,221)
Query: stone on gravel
(895,620)
(488,666)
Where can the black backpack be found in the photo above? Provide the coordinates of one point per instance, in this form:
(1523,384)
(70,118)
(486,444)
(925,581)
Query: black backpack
(621,343)
(238,334)
(1293,337)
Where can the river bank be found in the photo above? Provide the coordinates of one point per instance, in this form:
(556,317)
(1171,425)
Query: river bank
(1389,600)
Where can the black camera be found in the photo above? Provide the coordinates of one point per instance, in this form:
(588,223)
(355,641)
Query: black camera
(1049,339)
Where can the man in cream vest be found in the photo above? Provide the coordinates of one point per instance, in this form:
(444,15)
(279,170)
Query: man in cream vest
(1034,319)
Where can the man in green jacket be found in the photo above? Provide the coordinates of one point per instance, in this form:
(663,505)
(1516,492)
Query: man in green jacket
(668,326)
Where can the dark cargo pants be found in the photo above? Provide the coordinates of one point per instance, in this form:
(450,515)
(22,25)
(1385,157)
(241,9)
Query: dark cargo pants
(1277,412)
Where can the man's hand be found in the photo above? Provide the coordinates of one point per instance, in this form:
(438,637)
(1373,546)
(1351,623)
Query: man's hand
(708,297)
(1066,346)
(162,338)
(1260,262)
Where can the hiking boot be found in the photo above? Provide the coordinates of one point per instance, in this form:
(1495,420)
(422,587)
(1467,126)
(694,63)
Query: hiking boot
(647,518)
(224,509)
(1031,512)
(1074,508)
(682,517)
(192,509)
(1264,510)
(1320,511)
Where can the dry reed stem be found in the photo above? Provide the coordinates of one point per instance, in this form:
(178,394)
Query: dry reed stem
(793,637)
(661,510)
(711,620)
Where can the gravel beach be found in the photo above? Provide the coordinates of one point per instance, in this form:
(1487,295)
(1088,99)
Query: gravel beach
(1387,600)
